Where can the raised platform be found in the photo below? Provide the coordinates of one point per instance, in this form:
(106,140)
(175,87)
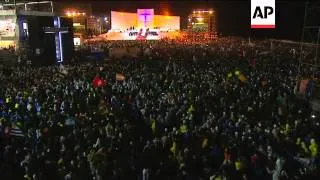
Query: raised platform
(136,35)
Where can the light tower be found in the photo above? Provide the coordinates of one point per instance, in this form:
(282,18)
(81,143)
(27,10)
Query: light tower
(310,38)
(309,52)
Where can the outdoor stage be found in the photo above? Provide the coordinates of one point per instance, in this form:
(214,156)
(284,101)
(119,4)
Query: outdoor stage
(134,35)
(142,25)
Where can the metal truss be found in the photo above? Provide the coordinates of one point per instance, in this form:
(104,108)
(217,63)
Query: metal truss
(310,34)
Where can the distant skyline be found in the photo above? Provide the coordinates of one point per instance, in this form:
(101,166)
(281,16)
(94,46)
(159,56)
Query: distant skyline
(233,17)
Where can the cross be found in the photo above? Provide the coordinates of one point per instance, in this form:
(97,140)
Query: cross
(57,30)
(145,14)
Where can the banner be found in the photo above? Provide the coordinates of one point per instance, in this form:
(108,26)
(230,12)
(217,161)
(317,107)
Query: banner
(120,77)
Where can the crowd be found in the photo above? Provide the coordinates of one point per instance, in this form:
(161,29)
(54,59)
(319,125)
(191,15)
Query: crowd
(225,109)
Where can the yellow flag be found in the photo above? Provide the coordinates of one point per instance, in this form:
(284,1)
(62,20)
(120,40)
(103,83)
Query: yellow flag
(191,109)
(173,149)
(313,149)
(238,165)
(242,78)
(153,126)
(237,73)
(183,129)
(204,143)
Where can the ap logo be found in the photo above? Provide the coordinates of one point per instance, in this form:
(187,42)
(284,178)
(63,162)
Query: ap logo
(263,14)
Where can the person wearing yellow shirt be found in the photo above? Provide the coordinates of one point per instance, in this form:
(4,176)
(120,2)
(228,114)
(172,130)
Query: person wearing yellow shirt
(238,165)
(298,142)
(27,177)
(287,129)
(313,147)
(184,128)
(173,149)
(204,143)
(8,100)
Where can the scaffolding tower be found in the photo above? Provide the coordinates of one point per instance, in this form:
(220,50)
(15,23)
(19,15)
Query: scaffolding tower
(310,38)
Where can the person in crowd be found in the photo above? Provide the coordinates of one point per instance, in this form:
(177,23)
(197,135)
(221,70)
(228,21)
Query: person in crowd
(221,109)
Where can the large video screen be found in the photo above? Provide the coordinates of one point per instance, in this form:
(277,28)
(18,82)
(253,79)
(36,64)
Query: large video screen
(7,28)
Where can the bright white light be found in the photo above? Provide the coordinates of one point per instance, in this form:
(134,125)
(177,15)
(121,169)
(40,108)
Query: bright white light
(25,26)
(313,116)
(76,41)
(200,19)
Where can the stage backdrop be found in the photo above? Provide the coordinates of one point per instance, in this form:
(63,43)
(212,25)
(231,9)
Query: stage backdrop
(167,22)
(123,20)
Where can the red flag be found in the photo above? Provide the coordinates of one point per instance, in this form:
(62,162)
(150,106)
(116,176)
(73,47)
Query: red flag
(303,86)
(99,82)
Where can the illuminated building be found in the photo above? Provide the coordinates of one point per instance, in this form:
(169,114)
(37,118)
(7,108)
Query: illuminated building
(202,21)
(44,37)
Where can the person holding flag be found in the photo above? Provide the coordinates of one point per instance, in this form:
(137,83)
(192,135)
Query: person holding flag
(98,82)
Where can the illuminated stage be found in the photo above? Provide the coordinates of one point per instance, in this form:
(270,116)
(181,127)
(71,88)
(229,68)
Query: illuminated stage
(143,25)
(135,35)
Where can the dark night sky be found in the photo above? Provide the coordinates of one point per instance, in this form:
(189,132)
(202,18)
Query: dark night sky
(233,17)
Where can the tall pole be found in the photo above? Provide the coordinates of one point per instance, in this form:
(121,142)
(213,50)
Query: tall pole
(51,6)
(100,27)
(317,46)
(16,29)
(302,38)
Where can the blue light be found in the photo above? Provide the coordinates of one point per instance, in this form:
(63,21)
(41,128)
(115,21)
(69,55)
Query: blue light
(58,38)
